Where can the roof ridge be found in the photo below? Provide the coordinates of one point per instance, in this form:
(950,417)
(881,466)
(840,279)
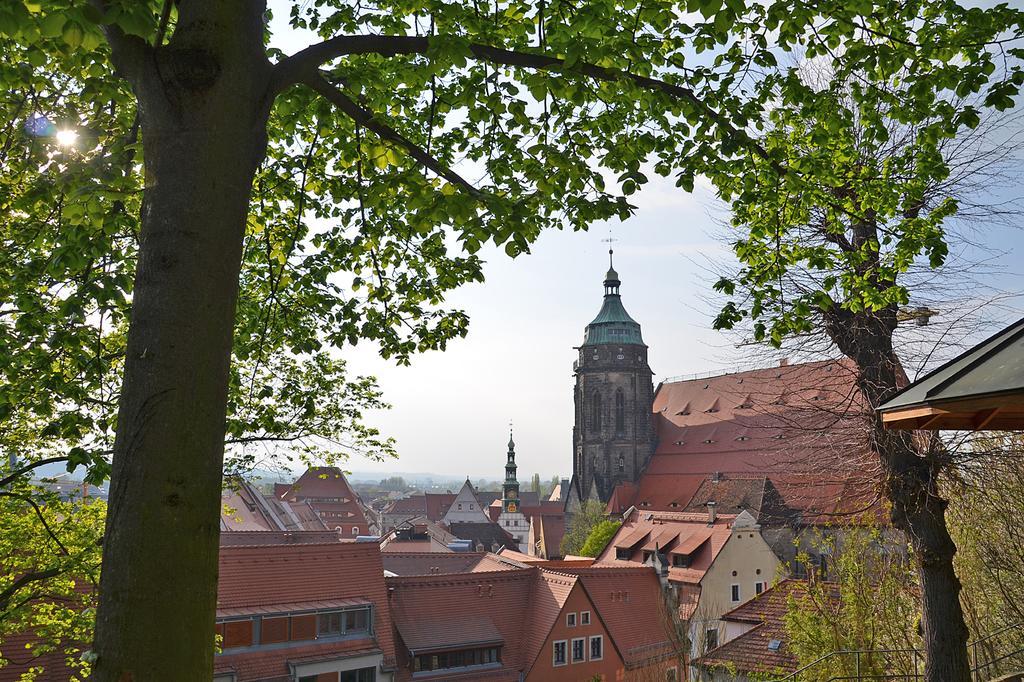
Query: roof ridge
(704,376)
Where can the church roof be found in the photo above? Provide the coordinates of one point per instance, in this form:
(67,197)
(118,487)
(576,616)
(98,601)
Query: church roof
(801,426)
(612,325)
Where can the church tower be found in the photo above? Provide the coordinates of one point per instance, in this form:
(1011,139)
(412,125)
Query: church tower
(613,436)
(510,488)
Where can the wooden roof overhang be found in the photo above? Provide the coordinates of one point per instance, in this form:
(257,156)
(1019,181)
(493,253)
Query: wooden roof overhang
(982,389)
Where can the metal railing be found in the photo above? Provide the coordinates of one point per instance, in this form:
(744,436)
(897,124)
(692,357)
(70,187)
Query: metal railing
(997,653)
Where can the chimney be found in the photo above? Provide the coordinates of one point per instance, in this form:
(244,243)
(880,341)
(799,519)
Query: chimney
(783,362)
(712,515)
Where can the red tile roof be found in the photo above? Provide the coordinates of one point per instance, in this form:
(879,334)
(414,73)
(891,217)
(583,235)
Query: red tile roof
(329,493)
(415,504)
(750,652)
(439,603)
(678,533)
(629,600)
(437,563)
(262,579)
(278,537)
(520,606)
(465,631)
(549,529)
(490,535)
(437,504)
(246,508)
(803,423)
(17,659)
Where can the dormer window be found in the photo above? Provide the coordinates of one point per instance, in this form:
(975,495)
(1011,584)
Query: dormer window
(741,438)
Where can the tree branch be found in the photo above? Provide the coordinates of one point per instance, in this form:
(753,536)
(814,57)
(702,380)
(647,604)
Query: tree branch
(29,467)
(300,66)
(42,519)
(6,595)
(366,118)
(127,52)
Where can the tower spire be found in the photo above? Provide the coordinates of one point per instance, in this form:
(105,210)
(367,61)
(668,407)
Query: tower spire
(510,489)
(611,279)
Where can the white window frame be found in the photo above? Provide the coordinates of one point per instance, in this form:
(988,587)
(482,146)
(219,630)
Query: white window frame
(735,589)
(572,650)
(590,647)
(554,653)
(570,619)
(584,617)
(759,587)
(718,642)
(355,530)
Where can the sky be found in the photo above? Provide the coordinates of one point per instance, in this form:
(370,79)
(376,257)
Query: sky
(451,410)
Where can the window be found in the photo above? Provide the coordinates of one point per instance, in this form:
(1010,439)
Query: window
(361,675)
(595,413)
(672,674)
(620,412)
(558,657)
(336,623)
(570,620)
(470,506)
(579,650)
(596,648)
(622,554)
(758,587)
(454,659)
(710,639)
(681,560)
(328,624)
(584,617)
(622,464)
(734,593)
(355,530)
(460,506)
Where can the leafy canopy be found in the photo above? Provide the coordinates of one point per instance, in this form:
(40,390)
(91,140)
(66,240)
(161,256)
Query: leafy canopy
(417,133)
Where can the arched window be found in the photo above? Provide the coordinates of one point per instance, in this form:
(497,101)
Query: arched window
(622,464)
(620,412)
(595,413)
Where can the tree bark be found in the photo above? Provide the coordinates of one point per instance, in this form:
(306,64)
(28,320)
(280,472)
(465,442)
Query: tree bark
(203,108)
(911,464)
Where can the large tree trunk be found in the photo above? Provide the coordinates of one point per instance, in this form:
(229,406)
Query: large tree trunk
(203,119)
(910,466)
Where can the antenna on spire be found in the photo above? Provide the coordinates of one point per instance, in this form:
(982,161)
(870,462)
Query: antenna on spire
(610,240)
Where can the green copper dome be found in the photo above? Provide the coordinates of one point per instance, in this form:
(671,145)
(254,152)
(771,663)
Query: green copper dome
(612,324)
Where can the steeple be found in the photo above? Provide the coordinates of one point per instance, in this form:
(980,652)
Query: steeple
(613,434)
(510,489)
(613,325)
(611,278)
